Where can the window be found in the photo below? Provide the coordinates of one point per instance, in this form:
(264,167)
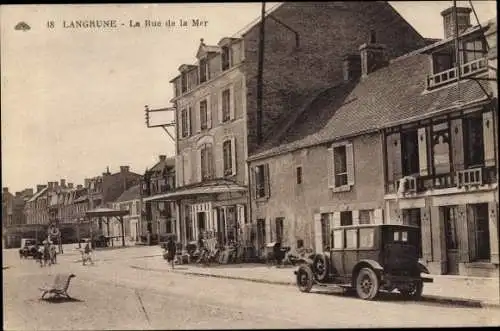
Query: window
(226,57)
(299,175)
(226,105)
(338,239)
(366,216)
(228,158)
(473,140)
(261,174)
(183,82)
(366,238)
(474,50)
(206,162)
(441,148)
(203,115)
(480,231)
(351,238)
(184,123)
(261,232)
(345,218)
(409,141)
(340,161)
(325,230)
(279,229)
(203,70)
(443,61)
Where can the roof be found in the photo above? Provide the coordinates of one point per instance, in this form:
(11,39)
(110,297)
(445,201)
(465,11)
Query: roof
(133,193)
(396,93)
(160,165)
(106,212)
(207,188)
(38,194)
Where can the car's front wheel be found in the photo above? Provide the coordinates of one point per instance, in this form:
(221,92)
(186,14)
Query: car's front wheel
(304,278)
(367,284)
(414,290)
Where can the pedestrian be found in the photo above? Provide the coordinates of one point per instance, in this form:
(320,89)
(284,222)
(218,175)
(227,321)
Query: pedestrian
(87,254)
(46,253)
(53,254)
(171,250)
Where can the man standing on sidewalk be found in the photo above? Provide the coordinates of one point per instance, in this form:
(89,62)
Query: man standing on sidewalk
(171,251)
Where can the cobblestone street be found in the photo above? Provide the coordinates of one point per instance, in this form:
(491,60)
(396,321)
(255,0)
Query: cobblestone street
(112,295)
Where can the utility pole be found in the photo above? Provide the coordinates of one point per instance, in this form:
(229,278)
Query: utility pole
(260,74)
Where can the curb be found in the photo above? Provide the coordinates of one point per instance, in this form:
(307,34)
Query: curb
(427,297)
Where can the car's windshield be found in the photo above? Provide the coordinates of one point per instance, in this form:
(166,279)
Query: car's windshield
(402,235)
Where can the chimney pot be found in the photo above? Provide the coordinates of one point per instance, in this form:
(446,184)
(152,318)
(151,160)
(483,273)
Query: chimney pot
(70,185)
(63,183)
(163,158)
(5,190)
(79,186)
(463,18)
(373,57)
(124,168)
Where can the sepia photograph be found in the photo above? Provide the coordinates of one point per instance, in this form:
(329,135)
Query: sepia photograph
(249,165)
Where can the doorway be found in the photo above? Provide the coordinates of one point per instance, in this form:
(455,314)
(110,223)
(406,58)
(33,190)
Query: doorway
(450,230)
(201,222)
(481,232)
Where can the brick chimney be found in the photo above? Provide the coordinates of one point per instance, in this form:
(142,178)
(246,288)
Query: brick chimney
(40,187)
(50,185)
(124,168)
(79,186)
(18,194)
(163,158)
(55,185)
(351,66)
(5,190)
(463,19)
(28,192)
(63,183)
(373,55)
(70,185)
(86,182)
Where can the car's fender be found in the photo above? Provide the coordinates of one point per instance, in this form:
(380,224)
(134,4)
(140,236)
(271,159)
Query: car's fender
(367,263)
(423,269)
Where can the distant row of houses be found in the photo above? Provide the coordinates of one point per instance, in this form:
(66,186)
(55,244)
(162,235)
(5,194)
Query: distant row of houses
(363,121)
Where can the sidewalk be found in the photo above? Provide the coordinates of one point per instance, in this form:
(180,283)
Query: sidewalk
(471,291)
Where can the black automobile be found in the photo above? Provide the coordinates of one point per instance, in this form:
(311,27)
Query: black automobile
(369,259)
(28,248)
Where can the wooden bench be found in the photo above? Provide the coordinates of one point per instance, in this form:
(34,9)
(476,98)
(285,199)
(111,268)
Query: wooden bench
(60,286)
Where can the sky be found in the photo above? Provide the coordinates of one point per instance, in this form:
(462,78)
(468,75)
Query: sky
(72,99)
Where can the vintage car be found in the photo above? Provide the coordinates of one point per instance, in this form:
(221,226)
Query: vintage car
(369,259)
(28,248)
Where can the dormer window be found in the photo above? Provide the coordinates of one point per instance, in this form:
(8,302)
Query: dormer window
(225,57)
(203,70)
(444,68)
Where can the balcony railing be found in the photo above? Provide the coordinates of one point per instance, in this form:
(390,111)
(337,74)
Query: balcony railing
(467,69)
(469,178)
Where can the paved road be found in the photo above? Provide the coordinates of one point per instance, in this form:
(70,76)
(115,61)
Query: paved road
(112,295)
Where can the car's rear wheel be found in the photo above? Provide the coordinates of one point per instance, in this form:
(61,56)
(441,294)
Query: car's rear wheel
(304,278)
(414,290)
(367,284)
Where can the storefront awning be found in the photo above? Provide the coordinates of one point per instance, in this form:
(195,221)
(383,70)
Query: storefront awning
(198,190)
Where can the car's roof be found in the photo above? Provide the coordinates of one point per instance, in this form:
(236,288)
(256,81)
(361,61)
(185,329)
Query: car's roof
(374,226)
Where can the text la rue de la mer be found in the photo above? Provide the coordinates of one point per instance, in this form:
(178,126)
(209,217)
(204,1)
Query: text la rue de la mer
(194,22)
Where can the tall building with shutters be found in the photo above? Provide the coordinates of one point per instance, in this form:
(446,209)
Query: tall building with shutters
(398,141)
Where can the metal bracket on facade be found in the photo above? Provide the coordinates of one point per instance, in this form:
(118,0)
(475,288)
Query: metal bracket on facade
(163,126)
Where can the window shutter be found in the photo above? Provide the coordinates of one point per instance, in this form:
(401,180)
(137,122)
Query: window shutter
(331,223)
(179,120)
(199,164)
(241,214)
(189,124)
(197,116)
(233,155)
(269,235)
(231,102)
(462,232)
(179,167)
(350,164)
(267,184)
(378,216)
(422,151)
(457,144)
(355,217)
(336,219)
(209,112)
(219,106)
(331,168)
(493,221)
(219,160)
(471,227)
(389,151)
(488,139)
(253,182)
(318,236)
